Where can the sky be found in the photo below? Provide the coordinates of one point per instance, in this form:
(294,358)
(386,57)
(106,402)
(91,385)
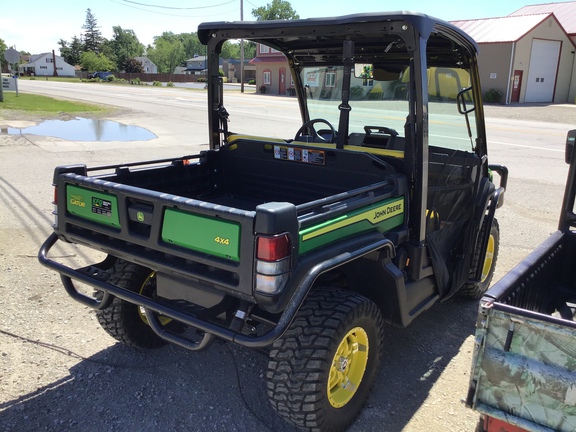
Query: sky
(36,26)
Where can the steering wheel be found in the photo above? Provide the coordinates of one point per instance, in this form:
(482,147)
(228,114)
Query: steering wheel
(312,135)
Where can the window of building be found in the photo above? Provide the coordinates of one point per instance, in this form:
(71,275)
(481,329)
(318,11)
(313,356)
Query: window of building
(266,76)
(43,67)
(264,49)
(48,59)
(330,79)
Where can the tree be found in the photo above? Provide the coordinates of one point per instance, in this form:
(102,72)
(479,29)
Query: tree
(230,50)
(132,66)
(277,10)
(92,36)
(108,50)
(167,52)
(191,44)
(71,52)
(249,49)
(92,62)
(3,48)
(124,45)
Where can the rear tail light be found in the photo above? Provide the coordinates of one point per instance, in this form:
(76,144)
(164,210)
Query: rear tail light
(273,248)
(273,263)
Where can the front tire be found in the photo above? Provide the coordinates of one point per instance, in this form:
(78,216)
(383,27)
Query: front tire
(321,371)
(125,321)
(476,290)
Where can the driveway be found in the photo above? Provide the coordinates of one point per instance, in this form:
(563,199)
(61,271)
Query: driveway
(60,372)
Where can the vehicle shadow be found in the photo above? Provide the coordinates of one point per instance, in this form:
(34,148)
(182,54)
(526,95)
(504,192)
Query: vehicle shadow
(413,361)
(223,388)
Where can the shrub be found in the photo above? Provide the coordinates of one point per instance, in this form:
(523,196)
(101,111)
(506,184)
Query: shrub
(136,81)
(201,79)
(157,84)
(493,96)
(263,89)
(356,93)
(111,78)
(252,82)
(169,84)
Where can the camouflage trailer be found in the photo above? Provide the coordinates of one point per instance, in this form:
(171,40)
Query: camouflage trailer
(524,366)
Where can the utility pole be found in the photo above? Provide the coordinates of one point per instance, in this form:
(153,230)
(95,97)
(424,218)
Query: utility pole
(241,50)
(54,63)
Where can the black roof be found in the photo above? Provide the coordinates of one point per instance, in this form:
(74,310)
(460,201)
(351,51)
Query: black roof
(320,40)
(282,32)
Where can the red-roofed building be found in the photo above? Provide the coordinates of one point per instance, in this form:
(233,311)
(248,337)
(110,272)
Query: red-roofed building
(272,71)
(565,12)
(529,58)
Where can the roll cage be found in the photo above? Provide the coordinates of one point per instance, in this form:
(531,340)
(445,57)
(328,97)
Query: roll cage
(389,41)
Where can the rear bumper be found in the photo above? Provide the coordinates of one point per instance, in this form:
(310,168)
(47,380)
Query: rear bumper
(304,279)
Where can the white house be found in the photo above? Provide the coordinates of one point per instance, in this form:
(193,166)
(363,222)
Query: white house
(43,65)
(147,65)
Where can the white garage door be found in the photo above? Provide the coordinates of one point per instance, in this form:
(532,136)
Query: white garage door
(542,71)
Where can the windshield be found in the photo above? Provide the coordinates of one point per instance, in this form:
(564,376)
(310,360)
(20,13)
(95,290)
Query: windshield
(379,102)
(379,99)
(375,103)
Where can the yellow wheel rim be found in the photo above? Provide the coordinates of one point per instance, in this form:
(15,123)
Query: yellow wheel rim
(489,259)
(348,367)
(150,282)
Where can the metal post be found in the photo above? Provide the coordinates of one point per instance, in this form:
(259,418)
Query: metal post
(241,50)
(15,78)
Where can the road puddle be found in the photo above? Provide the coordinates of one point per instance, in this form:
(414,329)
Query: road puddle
(84,129)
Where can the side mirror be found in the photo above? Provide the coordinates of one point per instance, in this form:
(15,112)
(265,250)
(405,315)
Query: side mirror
(570,140)
(363,70)
(461,97)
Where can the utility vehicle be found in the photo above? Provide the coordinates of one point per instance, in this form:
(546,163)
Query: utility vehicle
(381,205)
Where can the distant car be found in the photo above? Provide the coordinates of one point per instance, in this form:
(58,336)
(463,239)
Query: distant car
(101,75)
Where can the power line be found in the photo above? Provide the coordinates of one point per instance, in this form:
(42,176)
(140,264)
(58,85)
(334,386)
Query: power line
(250,3)
(174,15)
(178,8)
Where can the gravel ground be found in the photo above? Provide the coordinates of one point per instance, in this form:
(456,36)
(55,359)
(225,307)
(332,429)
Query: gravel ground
(60,372)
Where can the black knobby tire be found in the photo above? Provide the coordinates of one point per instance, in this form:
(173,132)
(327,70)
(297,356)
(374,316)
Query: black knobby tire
(476,290)
(303,363)
(123,320)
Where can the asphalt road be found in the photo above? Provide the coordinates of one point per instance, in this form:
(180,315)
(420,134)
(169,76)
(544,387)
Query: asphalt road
(59,371)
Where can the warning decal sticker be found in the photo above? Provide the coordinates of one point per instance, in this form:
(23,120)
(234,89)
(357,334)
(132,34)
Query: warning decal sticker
(101,206)
(311,156)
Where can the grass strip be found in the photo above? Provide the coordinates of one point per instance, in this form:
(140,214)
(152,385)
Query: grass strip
(37,103)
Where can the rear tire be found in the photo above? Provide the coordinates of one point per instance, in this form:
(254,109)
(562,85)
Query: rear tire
(321,371)
(125,321)
(476,290)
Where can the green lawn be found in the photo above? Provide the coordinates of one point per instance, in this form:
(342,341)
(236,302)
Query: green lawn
(59,79)
(37,104)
